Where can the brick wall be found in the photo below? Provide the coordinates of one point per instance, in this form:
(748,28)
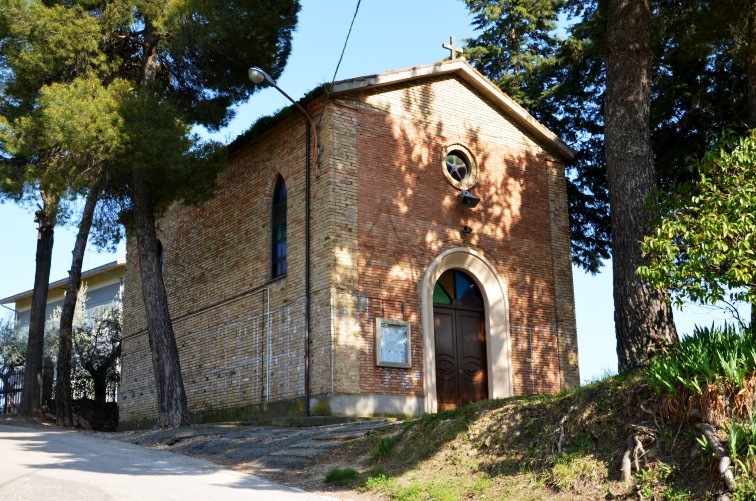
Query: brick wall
(221,298)
(409,212)
(381,210)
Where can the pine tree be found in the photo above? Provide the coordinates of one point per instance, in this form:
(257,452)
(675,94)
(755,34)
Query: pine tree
(158,67)
(560,81)
(700,53)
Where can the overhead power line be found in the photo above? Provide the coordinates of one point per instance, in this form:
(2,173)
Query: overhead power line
(343,50)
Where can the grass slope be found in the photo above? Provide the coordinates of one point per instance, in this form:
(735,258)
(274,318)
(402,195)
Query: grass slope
(567,446)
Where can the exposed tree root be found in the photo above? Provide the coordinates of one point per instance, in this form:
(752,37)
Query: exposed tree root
(635,453)
(724,460)
(560,441)
(627,464)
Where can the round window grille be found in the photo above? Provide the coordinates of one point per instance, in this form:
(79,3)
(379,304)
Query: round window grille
(457,166)
(460,167)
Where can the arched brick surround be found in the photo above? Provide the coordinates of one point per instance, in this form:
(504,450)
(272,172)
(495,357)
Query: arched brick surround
(494,290)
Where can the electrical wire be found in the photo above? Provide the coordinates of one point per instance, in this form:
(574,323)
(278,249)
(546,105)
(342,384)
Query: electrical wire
(343,50)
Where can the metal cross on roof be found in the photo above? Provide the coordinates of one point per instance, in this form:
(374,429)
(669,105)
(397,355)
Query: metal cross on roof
(453,48)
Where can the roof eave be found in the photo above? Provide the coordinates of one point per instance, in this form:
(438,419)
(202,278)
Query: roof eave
(94,271)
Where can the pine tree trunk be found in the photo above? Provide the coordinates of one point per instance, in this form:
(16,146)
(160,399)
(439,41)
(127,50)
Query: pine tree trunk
(642,316)
(6,397)
(63,393)
(173,410)
(751,63)
(31,392)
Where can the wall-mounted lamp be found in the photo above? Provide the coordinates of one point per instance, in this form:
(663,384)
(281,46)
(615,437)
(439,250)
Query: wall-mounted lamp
(468,200)
(259,76)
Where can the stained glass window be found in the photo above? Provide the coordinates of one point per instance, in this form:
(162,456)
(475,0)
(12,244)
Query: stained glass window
(161,256)
(440,296)
(278,240)
(455,287)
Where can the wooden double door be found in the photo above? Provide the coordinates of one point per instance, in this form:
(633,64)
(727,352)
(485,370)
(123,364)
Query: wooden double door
(460,346)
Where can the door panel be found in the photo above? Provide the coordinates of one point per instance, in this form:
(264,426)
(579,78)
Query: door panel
(472,357)
(460,357)
(447,386)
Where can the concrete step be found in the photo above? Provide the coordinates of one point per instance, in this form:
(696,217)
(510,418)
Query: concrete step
(316,444)
(307,453)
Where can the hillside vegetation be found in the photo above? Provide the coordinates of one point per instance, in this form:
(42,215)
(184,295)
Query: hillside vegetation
(682,429)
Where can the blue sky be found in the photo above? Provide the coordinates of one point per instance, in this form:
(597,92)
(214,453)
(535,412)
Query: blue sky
(387,35)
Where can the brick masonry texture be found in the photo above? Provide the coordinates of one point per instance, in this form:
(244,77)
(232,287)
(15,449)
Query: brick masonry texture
(382,209)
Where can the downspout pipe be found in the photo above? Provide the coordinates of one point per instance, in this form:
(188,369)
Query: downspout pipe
(308,303)
(258,76)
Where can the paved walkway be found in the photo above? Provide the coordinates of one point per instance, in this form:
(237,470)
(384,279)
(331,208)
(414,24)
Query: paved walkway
(64,465)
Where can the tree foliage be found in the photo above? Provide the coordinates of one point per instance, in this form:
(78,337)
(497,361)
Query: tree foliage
(98,353)
(549,56)
(517,37)
(701,79)
(109,89)
(12,347)
(97,334)
(561,82)
(702,57)
(51,131)
(704,246)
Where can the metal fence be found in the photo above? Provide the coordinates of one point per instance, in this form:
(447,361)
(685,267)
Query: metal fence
(10,390)
(12,383)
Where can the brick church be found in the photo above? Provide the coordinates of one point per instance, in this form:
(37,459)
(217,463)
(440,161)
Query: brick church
(438,269)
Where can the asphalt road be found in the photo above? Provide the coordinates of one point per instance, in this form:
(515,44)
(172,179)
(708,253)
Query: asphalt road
(40,464)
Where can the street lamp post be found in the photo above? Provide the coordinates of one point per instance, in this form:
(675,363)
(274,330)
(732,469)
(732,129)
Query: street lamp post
(259,76)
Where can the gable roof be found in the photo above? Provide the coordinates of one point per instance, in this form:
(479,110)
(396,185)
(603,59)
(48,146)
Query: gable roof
(463,70)
(458,67)
(105,269)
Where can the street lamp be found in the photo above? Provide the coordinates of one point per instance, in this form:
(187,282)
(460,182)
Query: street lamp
(258,76)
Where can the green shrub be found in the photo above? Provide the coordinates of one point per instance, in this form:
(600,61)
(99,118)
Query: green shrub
(384,447)
(341,476)
(711,354)
(741,444)
(376,481)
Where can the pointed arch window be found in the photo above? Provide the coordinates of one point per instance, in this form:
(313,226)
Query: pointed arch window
(161,256)
(278,230)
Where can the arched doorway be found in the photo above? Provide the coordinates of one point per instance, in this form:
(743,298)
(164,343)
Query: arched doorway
(493,291)
(460,340)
